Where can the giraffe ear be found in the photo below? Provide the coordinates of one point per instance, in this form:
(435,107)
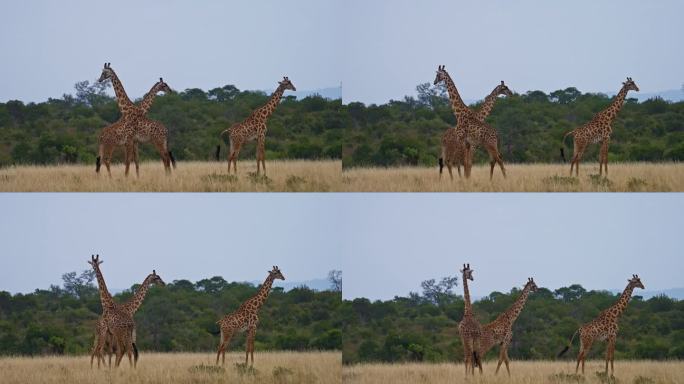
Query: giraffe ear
(160,79)
(502,83)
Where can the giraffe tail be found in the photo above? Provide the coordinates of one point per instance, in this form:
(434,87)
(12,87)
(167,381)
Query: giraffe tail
(441,165)
(98,160)
(173,159)
(135,353)
(567,347)
(562,148)
(222,136)
(214,332)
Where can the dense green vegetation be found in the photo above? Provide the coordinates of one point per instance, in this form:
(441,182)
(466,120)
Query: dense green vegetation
(530,127)
(61,320)
(67,129)
(424,327)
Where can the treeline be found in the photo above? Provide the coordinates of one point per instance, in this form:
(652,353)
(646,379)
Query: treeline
(177,317)
(424,327)
(530,127)
(66,130)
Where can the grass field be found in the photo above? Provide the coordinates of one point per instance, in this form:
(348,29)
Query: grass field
(623,177)
(282,176)
(523,372)
(269,367)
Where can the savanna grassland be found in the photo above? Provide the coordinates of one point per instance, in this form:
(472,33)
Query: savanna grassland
(527,372)
(622,177)
(269,367)
(193,176)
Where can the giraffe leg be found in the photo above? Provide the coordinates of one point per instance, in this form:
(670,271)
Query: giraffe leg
(252,335)
(477,356)
(506,361)
(223,345)
(604,156)
(501,359)
(610,352)
(458,168)
(107,158)
(261,144)
(451,174)
(136,160)
(164,154)
(495,158)
(466,358)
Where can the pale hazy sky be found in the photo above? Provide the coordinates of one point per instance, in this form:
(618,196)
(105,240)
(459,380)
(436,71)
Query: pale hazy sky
(596,240)
(390,46)
(47,46)
(377,49)
(183,236)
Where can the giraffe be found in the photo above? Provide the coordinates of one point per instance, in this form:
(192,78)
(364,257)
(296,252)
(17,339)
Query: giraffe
(453,148)
(598,129)
(469,328)
(603,327)
(253,127)
(131,307)
(246,318)
(114,136)
(473,132)
(500,331)
(119,323)
(136,127)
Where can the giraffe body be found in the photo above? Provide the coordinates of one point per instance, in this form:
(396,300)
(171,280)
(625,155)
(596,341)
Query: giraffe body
(245,318)
(469,328)
(604,328)
(453,139)
(254,128)
(133,127)
(470,129)
(598,130)
(116,327)
(500,331)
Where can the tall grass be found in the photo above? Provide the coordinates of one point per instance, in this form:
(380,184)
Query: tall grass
(522,372)
(269,367)
(281,176)
(623,177)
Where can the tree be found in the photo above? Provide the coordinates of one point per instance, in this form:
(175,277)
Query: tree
(92,94)
(335,278)
(440,293)
(79,286)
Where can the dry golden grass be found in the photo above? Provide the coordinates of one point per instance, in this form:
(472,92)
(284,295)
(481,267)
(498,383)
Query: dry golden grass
(527,372)
(282,176)
(623,177)
(269,367)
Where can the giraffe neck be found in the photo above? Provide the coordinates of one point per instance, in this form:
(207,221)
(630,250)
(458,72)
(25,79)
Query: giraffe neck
(457,103)
(134,303)
(621,304)
(468,309)
(260,298)
(147,101)
(126,106)
(488,105)
(105,297)
(267,109)
(616,105)
(512,313)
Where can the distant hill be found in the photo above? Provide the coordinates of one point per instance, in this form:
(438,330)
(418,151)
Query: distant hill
(673,95)
(331,93)
(315,284)
(673,293)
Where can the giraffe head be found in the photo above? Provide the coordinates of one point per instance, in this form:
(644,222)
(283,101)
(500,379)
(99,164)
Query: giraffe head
(635,281)
(107,73)
(156,279)
(161,86)
(276,274)
(287,84)
(630,85)
(467,272)
(531,284)
(95,261)
(442,75)
(502,89)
